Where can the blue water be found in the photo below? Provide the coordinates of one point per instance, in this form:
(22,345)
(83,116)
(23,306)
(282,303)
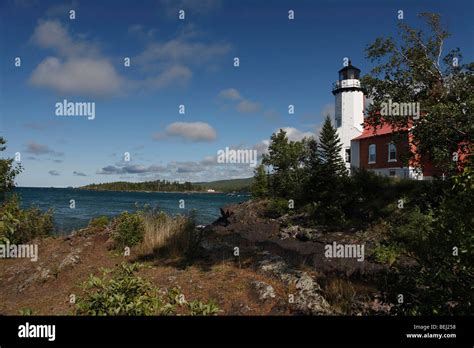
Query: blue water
(90,204)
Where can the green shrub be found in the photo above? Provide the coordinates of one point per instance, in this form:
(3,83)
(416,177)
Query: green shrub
(277,207)
(441,243)
(195,307)
(199,308)
(128,230)
(99,222)
(25,311)
(122,292)
(21,225)
(386,254)
(119,292)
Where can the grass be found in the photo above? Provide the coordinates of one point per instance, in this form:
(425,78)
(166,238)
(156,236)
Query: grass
(340,293)
(154,233)
(168,235)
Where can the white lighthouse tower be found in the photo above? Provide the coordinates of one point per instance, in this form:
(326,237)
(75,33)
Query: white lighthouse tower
(349,113)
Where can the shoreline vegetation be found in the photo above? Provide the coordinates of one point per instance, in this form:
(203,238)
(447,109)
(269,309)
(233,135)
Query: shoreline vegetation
(220,186)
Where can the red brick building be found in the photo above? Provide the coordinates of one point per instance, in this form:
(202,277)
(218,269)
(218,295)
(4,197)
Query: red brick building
(385,153)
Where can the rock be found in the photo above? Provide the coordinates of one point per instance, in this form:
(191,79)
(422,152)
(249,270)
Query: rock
(264,291)
(70,260)
(306,283)
(308,299)
(288,232)
(300,233)
(41,274)
(274,265)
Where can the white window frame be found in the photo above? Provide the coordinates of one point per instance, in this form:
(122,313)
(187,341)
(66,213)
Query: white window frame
(373,146)
(392,159)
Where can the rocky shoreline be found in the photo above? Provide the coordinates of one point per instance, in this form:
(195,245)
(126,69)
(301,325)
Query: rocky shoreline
(248,263)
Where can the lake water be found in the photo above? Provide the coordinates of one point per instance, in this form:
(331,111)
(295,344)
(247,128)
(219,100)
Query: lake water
(90,204)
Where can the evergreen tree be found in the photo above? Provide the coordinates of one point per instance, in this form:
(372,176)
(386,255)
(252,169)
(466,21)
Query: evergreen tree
(313,170)
(260,184)
(329,150)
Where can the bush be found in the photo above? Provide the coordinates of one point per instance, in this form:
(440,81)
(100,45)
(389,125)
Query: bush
(21,225)
(120,293)
(441,242)
(99,222)
(26,311)
(277,207)
(129,230)
(199,308)
(386,254)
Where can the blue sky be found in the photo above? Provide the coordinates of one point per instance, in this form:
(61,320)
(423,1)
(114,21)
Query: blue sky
(175,62)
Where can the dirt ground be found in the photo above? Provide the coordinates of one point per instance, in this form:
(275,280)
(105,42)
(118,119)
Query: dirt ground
(45,286)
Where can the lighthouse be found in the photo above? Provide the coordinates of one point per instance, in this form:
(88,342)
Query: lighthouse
(349,112)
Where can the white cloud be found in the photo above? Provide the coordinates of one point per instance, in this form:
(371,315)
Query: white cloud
(244,105)
(247,106)
(230,93)
(174,75)
(77,75)
(192,131)
(52,34)
(205,170)
(40,149)
(80,68)
(76,173)
(169,62)
(131,169)
(180,51)
(294,134)
(140,32)
(262,148)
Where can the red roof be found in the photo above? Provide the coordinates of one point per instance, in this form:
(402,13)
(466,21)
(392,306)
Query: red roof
(370,132)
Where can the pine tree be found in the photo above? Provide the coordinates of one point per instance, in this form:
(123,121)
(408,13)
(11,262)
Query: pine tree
(329,151)
(260,185)
(313,170)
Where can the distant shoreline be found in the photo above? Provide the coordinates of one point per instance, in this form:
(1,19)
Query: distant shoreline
(108,190)
(232,193)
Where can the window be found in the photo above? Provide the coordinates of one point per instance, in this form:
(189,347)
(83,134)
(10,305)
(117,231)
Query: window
(392,152)
(372,153)
(348,155)
(392,173)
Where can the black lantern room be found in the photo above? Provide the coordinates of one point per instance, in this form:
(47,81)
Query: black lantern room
(349,72)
